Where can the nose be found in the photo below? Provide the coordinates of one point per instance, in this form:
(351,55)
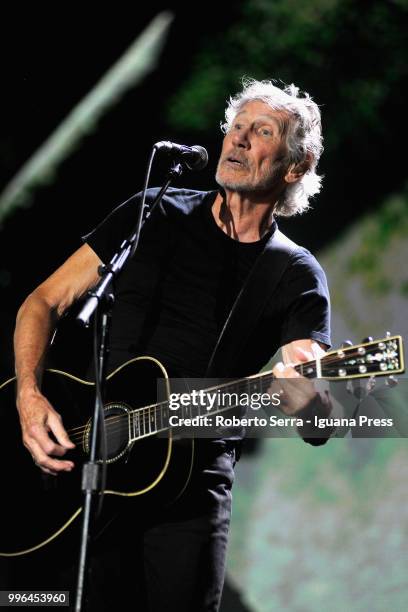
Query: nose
(240,138)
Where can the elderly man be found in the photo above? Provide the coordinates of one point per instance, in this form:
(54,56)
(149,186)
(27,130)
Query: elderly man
(172,302)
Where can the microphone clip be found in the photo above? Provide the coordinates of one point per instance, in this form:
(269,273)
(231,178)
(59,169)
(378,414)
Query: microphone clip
(194,158)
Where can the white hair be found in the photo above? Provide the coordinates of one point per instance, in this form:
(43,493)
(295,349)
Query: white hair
(303,136)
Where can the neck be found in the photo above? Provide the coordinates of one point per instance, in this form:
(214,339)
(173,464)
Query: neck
(241,216)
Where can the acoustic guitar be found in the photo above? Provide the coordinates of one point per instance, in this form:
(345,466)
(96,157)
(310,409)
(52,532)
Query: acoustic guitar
(144,463)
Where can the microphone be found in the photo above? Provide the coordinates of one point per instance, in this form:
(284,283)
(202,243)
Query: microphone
(195,157)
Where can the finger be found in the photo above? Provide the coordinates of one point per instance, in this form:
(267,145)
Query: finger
(280,381)
(39,434)
(55,424)
(317,350)
(278,369)
(43,466)
(284,371)
(301,355)
(46,470)
(42,449)
(50,465)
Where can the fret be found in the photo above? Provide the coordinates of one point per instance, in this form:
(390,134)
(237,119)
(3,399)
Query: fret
(147,417)
(146,420)
(153,419)
(142,422)
(318,367)
(131,426)
(206,404)
(136,424)
(166,411)
(139,432)
(152,428)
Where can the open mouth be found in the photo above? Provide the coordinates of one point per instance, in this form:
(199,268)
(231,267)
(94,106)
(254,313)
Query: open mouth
(234,161)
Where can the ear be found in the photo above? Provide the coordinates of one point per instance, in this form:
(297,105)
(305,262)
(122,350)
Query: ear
(296,171)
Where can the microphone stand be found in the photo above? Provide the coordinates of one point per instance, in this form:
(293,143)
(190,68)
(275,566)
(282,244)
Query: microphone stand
(101,299)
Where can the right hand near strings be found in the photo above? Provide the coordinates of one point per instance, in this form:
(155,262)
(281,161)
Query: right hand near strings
(38,420)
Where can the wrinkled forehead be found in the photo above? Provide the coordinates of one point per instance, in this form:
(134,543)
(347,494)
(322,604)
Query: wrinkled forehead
(259,110)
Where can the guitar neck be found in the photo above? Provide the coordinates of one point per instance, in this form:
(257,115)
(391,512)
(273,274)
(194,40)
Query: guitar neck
(375,358)
(153,419)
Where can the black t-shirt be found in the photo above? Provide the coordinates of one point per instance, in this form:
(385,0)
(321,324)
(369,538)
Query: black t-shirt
(172,299)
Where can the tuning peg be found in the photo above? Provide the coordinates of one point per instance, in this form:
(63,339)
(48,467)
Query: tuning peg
(371,382)
(366,340)
(346,343)
(391,382)
(387,334)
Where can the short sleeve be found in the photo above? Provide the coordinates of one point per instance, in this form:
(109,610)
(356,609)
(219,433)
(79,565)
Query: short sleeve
(306,301)
(106,238)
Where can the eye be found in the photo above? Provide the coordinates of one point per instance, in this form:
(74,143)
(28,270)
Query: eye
(266,131)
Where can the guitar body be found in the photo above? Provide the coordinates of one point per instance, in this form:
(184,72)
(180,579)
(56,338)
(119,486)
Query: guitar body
(38,509)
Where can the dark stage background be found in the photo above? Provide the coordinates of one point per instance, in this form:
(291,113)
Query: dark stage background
(351,56)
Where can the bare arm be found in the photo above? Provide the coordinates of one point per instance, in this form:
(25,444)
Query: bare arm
(36,320)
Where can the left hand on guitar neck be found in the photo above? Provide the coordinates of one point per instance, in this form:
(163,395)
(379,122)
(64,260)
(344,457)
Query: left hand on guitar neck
(298,393)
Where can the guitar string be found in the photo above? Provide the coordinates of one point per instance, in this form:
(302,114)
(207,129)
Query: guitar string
(152,406)
(148,415)
(146,423)
(244,381)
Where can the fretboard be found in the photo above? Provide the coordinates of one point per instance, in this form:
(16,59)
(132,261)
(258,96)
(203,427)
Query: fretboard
(154,419)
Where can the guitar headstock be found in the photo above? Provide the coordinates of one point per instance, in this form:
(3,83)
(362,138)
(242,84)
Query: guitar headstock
(382,357)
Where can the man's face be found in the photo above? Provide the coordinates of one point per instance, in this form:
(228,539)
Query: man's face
(253,150)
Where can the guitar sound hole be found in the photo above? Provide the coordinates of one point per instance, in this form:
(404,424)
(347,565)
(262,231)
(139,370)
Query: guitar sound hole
(117,431)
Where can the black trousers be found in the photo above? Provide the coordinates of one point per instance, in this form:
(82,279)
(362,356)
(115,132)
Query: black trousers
(173,559)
